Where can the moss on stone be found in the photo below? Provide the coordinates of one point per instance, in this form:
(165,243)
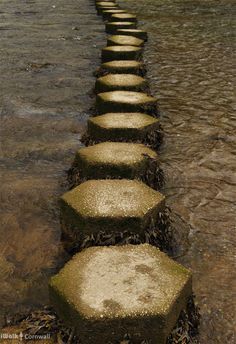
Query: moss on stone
(113,82)
(122,67)
(112,27)
(133,32)
(114,160)
(121,52)
(124,40)
(125,101)
(106,292)
(121,126)
(124,17)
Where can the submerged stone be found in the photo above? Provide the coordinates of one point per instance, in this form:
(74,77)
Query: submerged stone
(113,160)
(121,126)
(108,13)
(125,101)
(121,52)
(124,40)
(107,292)
(124,17)
(110,206)
(133,32)
(112,27)
(123,66)
(112,82)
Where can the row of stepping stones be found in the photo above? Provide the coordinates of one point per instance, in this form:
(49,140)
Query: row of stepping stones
(107,291)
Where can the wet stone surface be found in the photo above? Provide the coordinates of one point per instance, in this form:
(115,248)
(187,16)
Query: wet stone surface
(124,40)
(48,55)
(106,292)
(124,82)
(191,67)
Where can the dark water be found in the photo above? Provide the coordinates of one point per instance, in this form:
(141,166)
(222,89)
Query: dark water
(46,71)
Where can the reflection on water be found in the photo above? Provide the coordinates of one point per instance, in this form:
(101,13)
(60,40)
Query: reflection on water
(47,58)
(191,67)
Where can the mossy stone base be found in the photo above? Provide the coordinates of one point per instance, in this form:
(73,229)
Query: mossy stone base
(121,126)
(118,17)
(107,292)
(123,67)
(113,82)
(121,52)
(124,40)
(125,101)
(113,160)
(106,14)
(112,27)
(133,32)
(109,205)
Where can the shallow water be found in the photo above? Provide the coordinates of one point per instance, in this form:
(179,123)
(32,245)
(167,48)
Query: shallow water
(47,58)
(191,67)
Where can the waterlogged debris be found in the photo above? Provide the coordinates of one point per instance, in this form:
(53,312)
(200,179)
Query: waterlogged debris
(121,52)
(126,101)
(113,82)
(107,292)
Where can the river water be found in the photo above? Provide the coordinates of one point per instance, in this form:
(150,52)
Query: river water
(48,52)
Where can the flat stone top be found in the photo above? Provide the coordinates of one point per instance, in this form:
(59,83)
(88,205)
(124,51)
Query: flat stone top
(122,63)
(124,16)
(122,48)
(106,4)
(131,30)
(113,199)
(121,281)
(126,97)
(125,40)
(113,153)
(124,120)
(120,23)
(121,80)
(114,11)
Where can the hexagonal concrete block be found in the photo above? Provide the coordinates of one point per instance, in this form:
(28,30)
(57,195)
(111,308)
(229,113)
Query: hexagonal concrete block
(124,17)
(113,160)
(112,27)
(107,292)
(113,82)
(108,13)
(121,52)
(124,40)
(109,205)
(125,101)
(122,67)
(133,32)
(122,126)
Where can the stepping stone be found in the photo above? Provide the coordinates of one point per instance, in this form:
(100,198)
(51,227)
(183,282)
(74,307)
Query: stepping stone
(101,9)
(124,40)
(121,52)
(112,82)
(121,126)
(133,32)
(124,17)
(125,101)
(107,292)
(108,13)
(113,160)
(106,3)
(123,67)
(112,27)
(111,206)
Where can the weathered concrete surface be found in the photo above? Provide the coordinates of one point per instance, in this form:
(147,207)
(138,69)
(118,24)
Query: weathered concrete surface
(123,66)
(115,82)
(48,53)
(121,52)
(106,292)
(124,40)
(133,32)
(118,17)
(114,160)
(118,126)
(125,101)
(109,205)
(112,27)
